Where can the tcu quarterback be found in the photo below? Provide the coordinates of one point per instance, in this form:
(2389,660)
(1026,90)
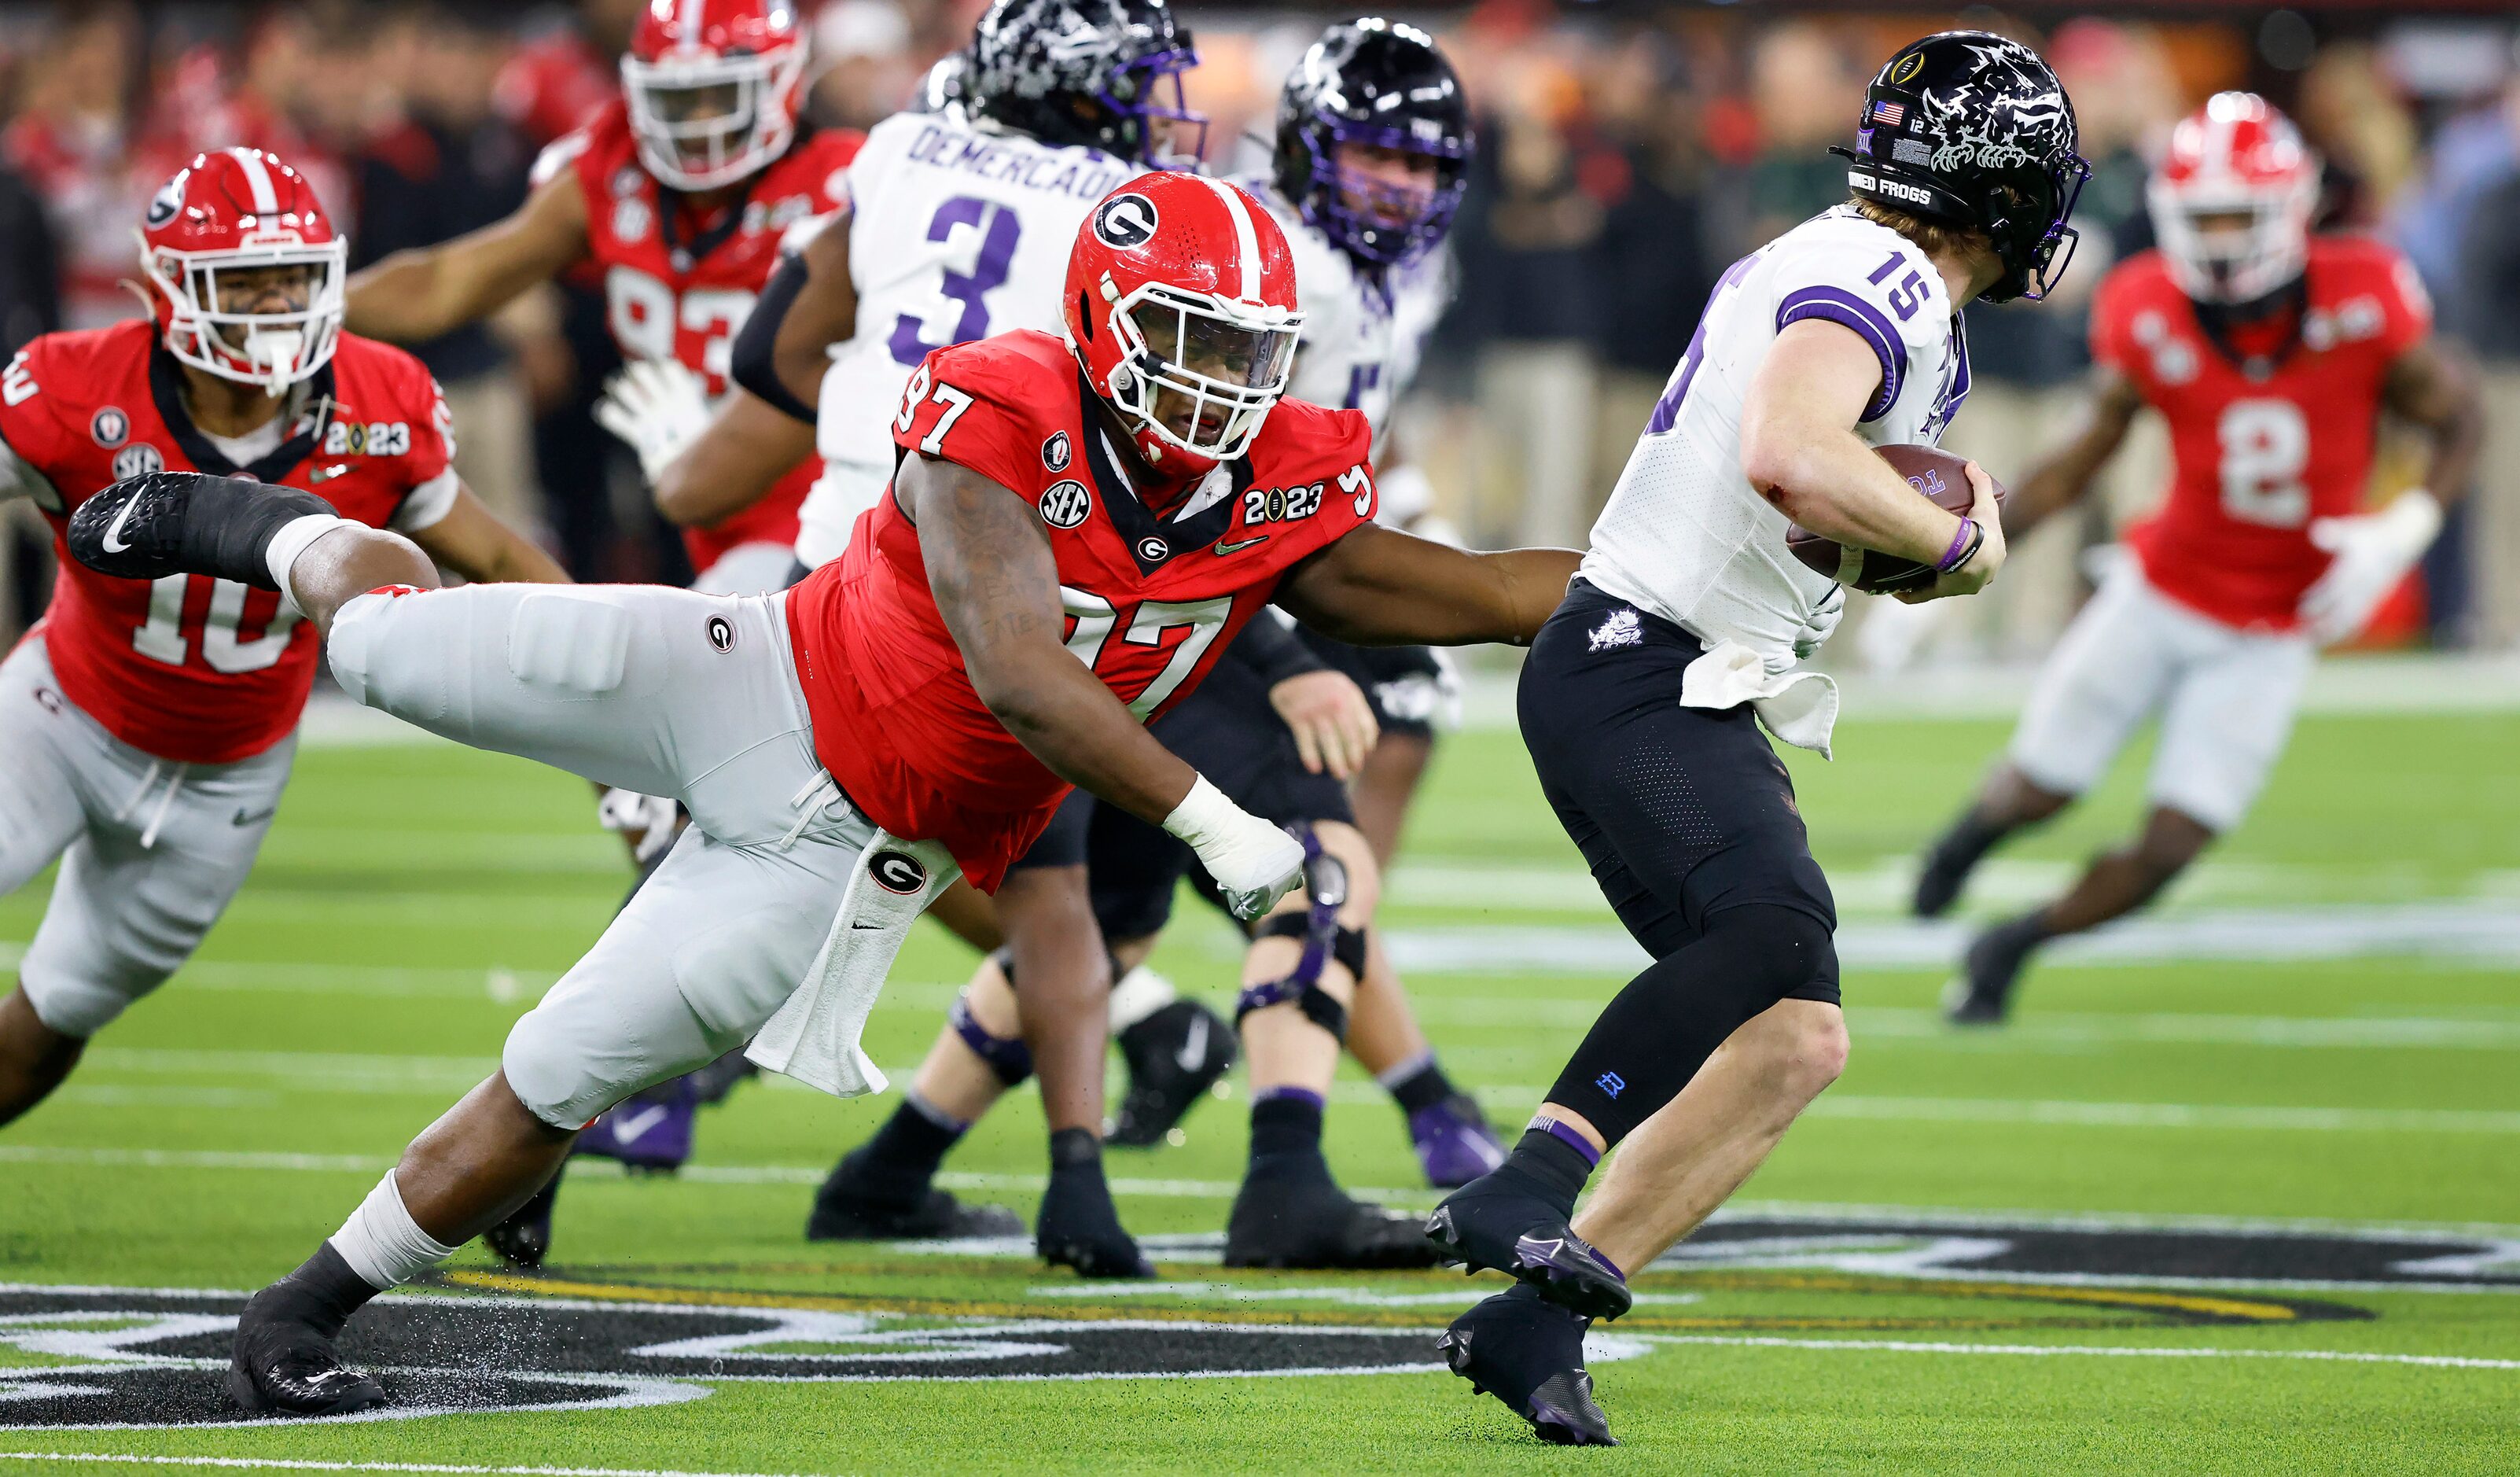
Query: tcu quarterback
(2271,352)
(1643,696)
(1007,619)
(147,726)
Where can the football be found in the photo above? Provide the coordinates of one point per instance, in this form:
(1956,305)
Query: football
(1930,470)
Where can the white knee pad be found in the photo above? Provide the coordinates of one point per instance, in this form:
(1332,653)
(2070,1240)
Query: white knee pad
(572,642)
(77,1008)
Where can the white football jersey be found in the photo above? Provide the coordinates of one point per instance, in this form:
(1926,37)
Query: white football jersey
(1685,536)
(957,230)
(1362,343)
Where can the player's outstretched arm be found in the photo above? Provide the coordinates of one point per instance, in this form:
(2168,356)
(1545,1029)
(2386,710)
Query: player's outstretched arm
(990,567)
(2061,478)
(1377,586)
(472,541)
(996,582)
(747,447)
(417,295)
(2435,387)
(1799,450)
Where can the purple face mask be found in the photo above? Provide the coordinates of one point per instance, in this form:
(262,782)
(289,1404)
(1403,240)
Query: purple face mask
(1150,90)
(1373,220)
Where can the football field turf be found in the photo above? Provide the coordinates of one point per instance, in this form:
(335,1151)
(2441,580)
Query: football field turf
(2238,1192)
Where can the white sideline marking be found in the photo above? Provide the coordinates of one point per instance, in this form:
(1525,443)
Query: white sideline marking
(2484,932)
(2099,1351)
(302,1465)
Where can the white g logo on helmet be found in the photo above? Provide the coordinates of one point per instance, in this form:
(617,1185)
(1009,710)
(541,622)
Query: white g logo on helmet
(1126,221)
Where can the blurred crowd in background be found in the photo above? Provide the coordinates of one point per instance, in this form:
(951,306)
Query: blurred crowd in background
(1627,155)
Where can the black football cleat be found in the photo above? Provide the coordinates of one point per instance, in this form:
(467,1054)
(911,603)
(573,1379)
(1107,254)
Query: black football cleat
(1315,1224)
(524,1238)
(186,523)
(1498,1222)
(283,1361)
(1079,1227)
(852,1207)
(1939,881)
(1529,1353)
(1982,993)
(1174,1056)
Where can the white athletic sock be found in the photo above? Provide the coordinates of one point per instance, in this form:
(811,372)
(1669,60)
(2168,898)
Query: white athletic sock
(383,1244)
(290,541)
(1140,993)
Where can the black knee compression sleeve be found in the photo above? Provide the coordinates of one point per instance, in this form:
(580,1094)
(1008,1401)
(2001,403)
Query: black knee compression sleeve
(1655,1034)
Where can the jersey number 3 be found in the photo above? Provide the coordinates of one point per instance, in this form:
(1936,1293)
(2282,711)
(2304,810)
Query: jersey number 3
(2266,445)
(966,293)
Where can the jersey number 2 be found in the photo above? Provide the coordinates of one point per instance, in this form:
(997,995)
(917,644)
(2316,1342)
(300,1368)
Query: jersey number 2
(2266,444)
(1096,619)
(161,638)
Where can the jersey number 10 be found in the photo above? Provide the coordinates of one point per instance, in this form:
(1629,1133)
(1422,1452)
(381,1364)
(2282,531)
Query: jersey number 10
(161,638)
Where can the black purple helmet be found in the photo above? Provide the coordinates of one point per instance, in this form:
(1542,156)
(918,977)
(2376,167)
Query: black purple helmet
(1973,129)
(1086,72)
(1373,81)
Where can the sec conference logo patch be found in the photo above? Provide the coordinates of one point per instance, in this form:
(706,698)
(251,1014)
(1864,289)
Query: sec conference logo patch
(1126,221)
(1063,505)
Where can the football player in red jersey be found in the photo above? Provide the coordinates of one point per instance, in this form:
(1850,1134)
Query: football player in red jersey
(145,725)
(672,200)
(1065,547)
(2271,352)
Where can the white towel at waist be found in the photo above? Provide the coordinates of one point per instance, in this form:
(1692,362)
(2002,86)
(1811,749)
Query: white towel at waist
(815,1038)
(1797,705)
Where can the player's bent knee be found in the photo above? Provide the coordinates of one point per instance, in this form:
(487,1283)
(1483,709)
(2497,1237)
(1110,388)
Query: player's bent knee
(1782,954)
(76,1009)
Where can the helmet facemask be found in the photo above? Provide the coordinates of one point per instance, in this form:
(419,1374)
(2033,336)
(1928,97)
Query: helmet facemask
(703,122)
(1370,217)
(2034,242)
(267,315)
(2236,245)
(1148,98)
(1197,372)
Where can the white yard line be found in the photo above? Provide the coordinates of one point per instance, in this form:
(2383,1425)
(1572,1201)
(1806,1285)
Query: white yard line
(302,1464)
(2094,1351)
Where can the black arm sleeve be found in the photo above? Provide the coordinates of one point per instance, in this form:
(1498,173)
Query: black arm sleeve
(1271,651)
(755,364)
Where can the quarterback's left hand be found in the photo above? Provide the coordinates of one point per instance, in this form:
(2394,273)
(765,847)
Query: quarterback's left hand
(659,406)
(1332,722)
(2373,552)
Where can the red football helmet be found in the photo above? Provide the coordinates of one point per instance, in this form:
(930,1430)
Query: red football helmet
(2232,199)
(713,87)
(1181,305)
(248,270)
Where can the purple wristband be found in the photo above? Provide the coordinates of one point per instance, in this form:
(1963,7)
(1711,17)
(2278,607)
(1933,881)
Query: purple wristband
(1567,1137)
(1964,544)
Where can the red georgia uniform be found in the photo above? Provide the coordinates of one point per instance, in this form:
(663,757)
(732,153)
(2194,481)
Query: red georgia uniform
(2257,457)
(671,295)
(190,669)
(1151,603)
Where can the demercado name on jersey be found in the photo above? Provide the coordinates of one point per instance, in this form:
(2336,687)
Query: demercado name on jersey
(667,297)
(958,230)
(1150,602)
(1685,536)
(2259,451)
(188,669)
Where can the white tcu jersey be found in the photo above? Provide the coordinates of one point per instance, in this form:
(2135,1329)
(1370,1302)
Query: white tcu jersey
(1685,536)
(957,231)
(1362,341)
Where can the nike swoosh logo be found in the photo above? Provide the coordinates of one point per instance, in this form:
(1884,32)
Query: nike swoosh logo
(1195,1050)
(1236,548)
(323,475)
(246,817)
(113,543)
(625,1130)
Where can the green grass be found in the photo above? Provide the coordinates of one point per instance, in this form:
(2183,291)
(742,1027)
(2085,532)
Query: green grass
(414,900)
